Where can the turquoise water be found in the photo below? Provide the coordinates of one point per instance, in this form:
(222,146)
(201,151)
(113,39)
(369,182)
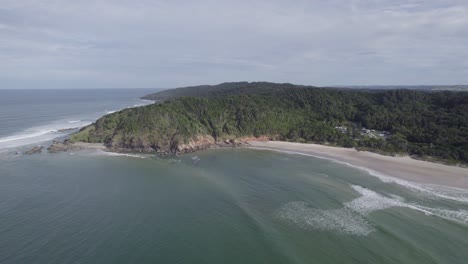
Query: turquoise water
(230,206)
(219,206)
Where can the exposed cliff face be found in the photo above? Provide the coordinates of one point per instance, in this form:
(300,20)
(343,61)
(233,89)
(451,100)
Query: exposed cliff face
(198,143)
(163,148)
(174,146)
(208,142)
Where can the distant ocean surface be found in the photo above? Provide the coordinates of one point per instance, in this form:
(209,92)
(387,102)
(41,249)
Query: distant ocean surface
(218,206)
(31,116)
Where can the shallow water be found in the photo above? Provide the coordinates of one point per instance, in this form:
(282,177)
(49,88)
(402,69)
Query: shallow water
(231,206)
(220,206)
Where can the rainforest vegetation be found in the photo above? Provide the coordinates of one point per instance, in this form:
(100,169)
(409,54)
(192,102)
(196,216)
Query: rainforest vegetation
(430,125)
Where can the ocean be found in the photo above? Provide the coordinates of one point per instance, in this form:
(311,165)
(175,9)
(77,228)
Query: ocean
(31,116)
(216,206)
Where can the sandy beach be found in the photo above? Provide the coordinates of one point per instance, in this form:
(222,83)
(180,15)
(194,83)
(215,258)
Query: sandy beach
(404,168)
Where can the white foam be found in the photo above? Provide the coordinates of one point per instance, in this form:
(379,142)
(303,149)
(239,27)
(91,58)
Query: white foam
(47,132)
(25,135)
(351,219)
(74,121)
(429,190)
(339,220)
(371,201)
(39,134)
(460,216)
(116,154)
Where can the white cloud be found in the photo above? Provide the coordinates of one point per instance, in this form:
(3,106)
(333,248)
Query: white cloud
(170,43)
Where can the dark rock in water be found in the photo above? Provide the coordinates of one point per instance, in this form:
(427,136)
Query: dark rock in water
(58,147)
(36,149)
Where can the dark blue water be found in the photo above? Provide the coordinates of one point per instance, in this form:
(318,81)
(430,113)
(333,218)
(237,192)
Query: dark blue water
(28,117)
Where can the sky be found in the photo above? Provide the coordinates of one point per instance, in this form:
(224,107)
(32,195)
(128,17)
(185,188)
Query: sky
(171,43)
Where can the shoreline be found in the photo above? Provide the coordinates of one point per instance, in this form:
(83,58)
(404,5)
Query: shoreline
(403,168)
(386,168)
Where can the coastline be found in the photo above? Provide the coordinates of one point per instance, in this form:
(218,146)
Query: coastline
(404,168)
(387,168)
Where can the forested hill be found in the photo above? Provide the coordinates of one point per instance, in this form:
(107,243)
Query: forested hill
(225,89)
(432,125)
(267,88)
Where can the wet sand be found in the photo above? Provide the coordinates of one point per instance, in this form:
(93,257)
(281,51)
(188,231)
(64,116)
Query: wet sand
(404,168)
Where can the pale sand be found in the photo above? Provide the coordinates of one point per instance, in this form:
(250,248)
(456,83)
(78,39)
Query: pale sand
(404,168)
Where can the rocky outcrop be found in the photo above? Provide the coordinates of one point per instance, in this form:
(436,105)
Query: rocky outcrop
(58,147)
(174,147)
(198,143)
(34,150)
(163,148)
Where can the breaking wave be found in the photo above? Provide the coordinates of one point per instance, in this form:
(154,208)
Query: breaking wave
(40,133)
(52,130)
(339,220)
(428,190)
(352,217)
(115,154)
(74,121)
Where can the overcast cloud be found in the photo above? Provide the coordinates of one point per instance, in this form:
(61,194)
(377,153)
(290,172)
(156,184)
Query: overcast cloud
(169,43)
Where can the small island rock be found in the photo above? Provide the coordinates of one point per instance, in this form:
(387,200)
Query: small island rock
(34,150)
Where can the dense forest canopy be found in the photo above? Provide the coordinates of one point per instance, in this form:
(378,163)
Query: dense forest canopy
(224,89)
(423,124)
